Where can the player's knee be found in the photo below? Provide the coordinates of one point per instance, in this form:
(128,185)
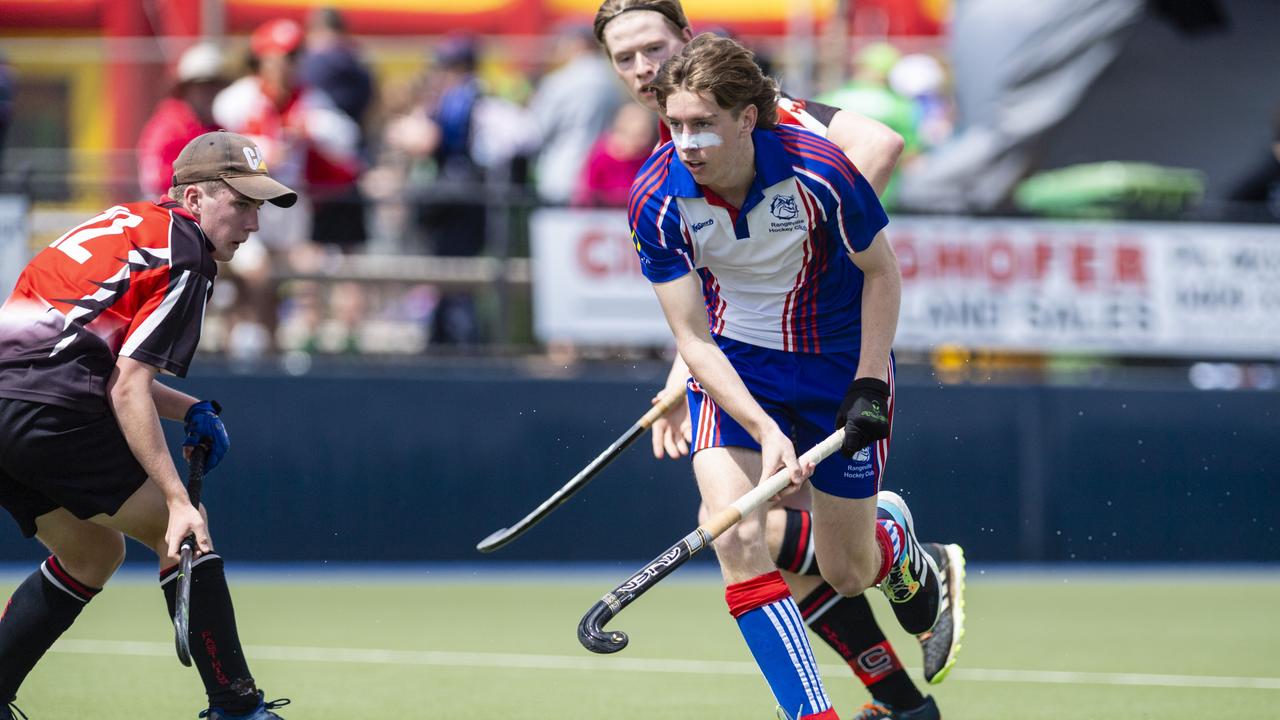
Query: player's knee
(94,563)
(850,578)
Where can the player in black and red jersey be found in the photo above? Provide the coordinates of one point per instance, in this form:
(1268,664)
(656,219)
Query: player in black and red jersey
(637,36)
(94,318)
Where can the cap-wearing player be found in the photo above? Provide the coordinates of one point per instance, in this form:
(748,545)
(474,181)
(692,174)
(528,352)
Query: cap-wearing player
(94,318)
(795,297)
(638,36)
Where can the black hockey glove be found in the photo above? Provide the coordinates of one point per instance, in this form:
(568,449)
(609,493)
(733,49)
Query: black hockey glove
(864,414)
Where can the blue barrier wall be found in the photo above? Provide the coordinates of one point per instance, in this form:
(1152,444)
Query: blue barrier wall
(371,466)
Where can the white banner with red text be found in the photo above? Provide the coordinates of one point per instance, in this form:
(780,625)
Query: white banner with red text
(1150,289)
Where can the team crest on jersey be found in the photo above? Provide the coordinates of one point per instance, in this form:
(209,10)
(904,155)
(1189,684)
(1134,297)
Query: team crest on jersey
(784,208)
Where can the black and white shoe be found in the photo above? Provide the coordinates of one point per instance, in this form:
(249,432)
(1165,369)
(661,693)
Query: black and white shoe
(912,585)
(941,644)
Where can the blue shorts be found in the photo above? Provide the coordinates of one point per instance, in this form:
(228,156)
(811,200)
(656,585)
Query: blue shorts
(802,393)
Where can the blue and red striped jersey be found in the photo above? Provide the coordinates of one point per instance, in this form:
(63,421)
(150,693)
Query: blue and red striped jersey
(776,272)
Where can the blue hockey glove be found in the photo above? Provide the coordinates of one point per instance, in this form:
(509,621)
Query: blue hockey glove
(202,422)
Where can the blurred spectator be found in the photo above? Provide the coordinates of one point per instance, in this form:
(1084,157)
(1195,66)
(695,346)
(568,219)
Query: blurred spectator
(923,79)
(6,106)
(306,138)
(447,189)
(332,66)
(616,158)
(868,93)
(309,143)
(403,136)
(181,117)
(455,225)
(572,105)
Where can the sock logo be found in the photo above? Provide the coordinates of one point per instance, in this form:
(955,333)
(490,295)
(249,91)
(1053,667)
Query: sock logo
(876,662)
(215,664)
(833,639)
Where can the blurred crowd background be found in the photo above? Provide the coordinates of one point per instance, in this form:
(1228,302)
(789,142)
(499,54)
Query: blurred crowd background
(432,142)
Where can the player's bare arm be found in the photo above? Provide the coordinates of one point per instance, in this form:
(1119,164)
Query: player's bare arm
(171,404)
(870,144)
(881,298)
(682,304)
(129,393)
(671,432)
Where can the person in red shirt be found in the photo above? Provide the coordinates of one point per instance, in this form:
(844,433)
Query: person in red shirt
(186,113)
(615,158)
(94,319)
(312,144)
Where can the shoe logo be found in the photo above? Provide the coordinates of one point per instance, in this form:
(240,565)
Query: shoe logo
(902,587)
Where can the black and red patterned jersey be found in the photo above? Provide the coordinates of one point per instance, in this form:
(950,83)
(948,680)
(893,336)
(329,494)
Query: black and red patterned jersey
(807,114)
(132,281)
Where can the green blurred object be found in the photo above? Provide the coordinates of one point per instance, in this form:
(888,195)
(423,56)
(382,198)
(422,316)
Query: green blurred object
(879,103)
(1111,190)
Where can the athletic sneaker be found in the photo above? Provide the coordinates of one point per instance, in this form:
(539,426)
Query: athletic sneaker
(941,644)
(912,583)
(876,710)
(262,712)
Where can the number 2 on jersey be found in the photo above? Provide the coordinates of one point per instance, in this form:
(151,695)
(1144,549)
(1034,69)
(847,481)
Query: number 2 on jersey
(72,243)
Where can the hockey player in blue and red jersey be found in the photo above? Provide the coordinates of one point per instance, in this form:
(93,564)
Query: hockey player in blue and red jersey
(637,36)
(767,253)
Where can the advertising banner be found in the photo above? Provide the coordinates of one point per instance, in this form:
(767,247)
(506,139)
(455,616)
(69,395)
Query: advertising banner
(1152,289)
(587,285)
(1136,289)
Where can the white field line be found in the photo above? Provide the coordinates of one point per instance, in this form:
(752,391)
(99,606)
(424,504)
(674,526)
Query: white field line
(289,653)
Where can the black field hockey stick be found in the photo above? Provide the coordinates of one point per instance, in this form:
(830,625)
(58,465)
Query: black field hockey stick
(591,631)
(584,476)
(182,606)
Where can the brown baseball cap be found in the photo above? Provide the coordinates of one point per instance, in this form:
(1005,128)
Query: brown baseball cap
(234,159)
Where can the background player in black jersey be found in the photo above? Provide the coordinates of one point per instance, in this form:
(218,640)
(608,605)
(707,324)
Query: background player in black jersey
(93,320)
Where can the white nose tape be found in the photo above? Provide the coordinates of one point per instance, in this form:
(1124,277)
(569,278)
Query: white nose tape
(685,141)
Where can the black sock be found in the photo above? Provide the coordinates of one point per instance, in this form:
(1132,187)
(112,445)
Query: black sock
(796,552)
(215,645)
(40,610)
(849,627)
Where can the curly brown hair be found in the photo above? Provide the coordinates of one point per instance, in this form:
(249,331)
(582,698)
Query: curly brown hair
(724,69)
